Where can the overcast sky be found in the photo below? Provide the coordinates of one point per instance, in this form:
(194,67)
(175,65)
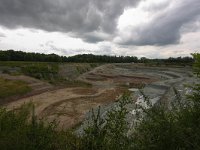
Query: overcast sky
(150,28)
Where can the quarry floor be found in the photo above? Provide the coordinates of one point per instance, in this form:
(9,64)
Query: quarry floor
(69,106)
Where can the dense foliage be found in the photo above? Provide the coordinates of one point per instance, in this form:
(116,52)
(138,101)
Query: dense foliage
(11,55)
(102,58)
(18,133)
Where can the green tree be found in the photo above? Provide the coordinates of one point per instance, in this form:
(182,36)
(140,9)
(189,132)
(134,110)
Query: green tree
(196,66)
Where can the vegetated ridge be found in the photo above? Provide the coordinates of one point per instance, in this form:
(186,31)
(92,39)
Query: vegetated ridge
(11,55)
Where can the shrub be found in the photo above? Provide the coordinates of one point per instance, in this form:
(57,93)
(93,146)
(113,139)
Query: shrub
(41,71)
(20,130)
(110,132)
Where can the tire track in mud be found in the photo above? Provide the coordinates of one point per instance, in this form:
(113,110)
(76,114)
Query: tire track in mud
(49,107)
(73,110)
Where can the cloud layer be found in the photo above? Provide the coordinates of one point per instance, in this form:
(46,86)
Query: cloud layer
(165,27)
(92,20)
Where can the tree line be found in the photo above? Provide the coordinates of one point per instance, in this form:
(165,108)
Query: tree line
(11,55)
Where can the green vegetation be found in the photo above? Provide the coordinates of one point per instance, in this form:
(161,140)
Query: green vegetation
(49,72)
(175,128)
(11,55)
(196,66)
(90,58)
(41,71)
(14,64)
(11,88)
(17,133)
(110,132)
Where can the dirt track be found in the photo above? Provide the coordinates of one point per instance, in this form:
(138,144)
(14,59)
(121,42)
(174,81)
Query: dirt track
(69,105)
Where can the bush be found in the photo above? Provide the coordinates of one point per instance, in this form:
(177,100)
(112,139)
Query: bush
(178,128)
(43,71)
(20,130)
(110,132)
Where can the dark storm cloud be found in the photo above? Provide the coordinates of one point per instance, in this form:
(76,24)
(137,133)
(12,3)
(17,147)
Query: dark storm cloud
(79,17)
(166,27)
(92,38)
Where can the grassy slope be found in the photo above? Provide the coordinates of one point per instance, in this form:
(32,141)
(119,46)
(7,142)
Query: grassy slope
(52,72)
(12,88)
